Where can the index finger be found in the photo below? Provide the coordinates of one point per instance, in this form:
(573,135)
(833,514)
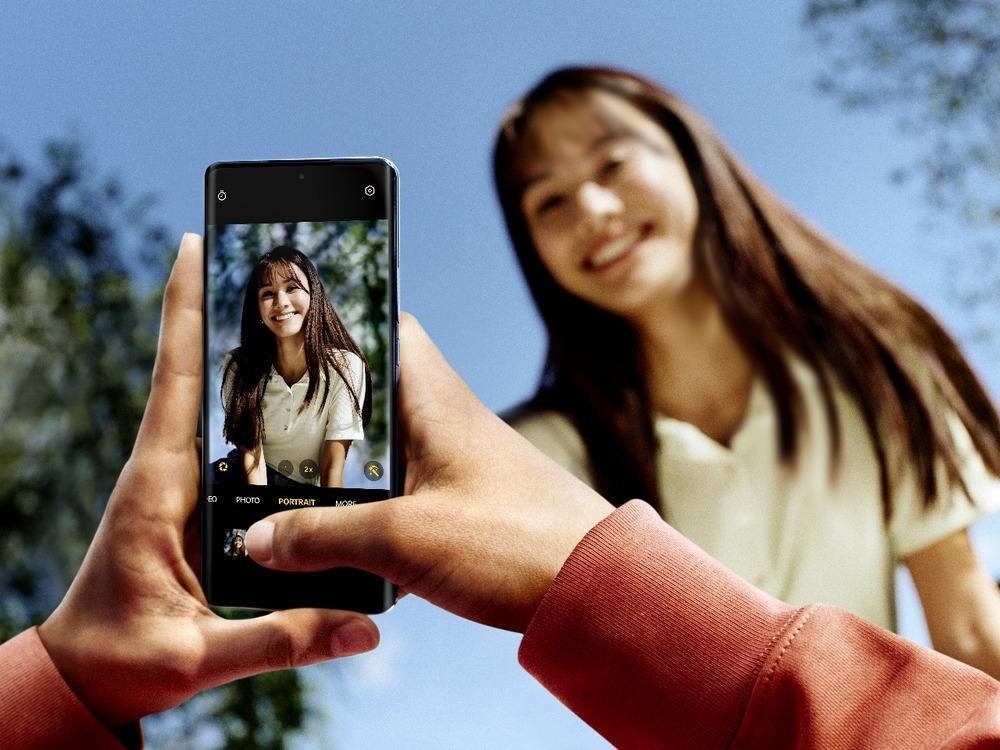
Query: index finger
(171,418)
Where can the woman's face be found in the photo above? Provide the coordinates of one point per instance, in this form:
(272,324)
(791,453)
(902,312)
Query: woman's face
(609,203)
(283,302)
(238,542)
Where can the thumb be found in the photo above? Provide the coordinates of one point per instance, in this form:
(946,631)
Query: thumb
(284,640)
(369,536)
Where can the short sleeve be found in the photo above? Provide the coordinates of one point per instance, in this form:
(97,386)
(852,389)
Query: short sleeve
(344,418)
(555,436)
(913,528)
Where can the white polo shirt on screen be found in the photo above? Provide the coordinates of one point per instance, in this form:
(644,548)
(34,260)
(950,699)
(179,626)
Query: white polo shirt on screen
(298,437)
(798,535)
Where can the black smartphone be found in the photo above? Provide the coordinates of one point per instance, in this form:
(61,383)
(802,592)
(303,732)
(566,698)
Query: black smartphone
(301,362)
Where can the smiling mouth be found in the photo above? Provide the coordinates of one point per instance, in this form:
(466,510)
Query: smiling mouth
(283,316)
(616,249)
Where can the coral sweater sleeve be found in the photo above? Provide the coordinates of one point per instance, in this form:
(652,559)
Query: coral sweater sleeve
(38,709)
(655,644)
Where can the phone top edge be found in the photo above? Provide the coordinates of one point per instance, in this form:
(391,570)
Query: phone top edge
(333,161)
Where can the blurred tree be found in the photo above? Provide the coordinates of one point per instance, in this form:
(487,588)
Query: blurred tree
(937,62)
(936,65)
(76,347)
(81,274)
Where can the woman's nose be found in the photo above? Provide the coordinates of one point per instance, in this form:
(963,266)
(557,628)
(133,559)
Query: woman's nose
(597,201)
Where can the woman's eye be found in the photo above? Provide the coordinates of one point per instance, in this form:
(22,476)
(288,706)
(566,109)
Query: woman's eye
(550,203)
(612,166)
(265,295)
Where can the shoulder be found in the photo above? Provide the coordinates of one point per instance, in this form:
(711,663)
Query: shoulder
(914,528)
(350,360)
(351,367)
(554,434)
(532,421)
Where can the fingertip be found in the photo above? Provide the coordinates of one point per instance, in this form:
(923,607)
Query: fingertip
(260,541)
(190,242)
(355,637)
(189,249)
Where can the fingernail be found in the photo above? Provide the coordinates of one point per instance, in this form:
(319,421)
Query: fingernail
(353,638)
(260,538)
(186,243)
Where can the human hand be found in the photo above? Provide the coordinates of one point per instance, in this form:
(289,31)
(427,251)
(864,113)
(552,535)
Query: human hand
(486,521)
(134,634)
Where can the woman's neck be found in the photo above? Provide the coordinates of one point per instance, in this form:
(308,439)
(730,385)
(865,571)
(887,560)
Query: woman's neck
(290,361)
(695,369)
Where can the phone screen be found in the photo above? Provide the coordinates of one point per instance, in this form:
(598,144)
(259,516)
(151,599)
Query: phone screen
(301,353)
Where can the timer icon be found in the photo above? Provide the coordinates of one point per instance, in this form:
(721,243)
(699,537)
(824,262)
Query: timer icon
(222,195)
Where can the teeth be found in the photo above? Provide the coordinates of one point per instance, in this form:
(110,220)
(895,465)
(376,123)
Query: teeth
(615,249)
(285,316)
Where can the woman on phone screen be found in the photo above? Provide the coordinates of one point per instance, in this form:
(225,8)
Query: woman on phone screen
(789,410)
(296,392)
(237,548)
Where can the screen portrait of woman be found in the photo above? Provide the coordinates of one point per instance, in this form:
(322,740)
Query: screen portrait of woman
(296,391)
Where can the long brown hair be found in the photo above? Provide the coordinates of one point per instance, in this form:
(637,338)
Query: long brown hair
(249,367)
(783,288)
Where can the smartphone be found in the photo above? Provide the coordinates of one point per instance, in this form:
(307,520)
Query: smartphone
(301,362)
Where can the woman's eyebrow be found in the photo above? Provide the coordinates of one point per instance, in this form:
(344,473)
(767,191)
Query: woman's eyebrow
(283,280)
(600,142)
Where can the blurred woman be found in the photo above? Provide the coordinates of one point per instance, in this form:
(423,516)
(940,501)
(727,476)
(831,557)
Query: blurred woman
(789,410)
(296,391)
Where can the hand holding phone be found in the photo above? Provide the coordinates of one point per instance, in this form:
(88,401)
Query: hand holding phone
(133,635)
(486,522)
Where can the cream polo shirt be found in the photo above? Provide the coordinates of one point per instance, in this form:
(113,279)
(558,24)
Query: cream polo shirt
(797,534)
(293,440)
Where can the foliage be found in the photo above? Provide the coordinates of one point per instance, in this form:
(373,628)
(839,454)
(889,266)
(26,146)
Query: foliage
(76,346)
(80,270)
(936,65)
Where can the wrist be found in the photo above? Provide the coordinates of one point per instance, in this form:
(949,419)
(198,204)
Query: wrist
(61,653)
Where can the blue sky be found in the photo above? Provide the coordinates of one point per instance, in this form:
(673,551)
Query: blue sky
(159,92)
